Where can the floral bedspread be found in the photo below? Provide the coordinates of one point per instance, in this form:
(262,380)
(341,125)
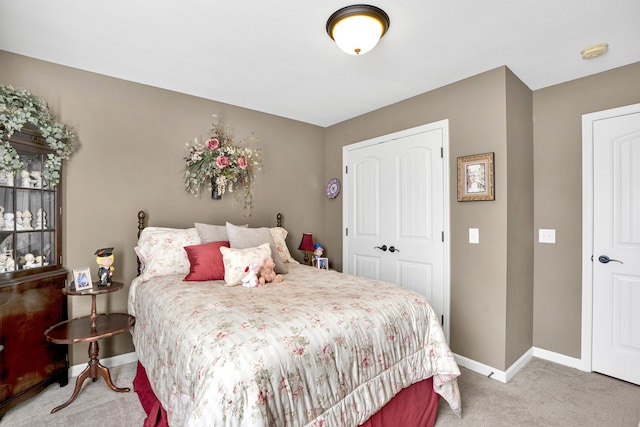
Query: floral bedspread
(319,349)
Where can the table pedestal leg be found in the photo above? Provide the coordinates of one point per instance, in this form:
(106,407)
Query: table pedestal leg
(83,376)
(93,370)
(103,371)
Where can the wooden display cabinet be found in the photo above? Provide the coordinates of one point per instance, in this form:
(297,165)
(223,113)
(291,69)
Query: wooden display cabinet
(31,276)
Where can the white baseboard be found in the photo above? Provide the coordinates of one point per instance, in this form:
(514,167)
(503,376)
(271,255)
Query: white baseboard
(505,376)
(109,362)
(481,368)
(560,359)
(519,364)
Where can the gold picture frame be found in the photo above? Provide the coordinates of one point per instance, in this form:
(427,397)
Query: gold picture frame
(475,177)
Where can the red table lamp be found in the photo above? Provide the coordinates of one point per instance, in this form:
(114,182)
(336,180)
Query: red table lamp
(306,245)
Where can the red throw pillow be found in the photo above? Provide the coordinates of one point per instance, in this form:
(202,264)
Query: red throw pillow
(206,262)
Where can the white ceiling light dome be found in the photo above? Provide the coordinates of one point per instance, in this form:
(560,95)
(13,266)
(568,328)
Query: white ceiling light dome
(357,29)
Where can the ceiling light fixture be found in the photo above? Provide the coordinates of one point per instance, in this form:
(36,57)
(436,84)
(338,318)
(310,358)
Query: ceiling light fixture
(356,29)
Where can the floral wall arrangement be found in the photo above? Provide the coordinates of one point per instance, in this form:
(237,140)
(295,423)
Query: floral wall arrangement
(18,108)
(222,166)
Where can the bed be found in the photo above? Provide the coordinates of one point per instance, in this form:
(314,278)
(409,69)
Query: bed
(320,348)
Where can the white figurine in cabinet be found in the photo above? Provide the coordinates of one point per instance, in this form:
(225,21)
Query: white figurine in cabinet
(1,217)
(41,220)
(25,179)
(26,220)
(36,179)
(9,264)
(29,261)
(18,219)
(8,221)
(6,178)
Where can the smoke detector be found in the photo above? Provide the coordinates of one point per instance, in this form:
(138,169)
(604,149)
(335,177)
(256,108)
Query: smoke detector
(594,51)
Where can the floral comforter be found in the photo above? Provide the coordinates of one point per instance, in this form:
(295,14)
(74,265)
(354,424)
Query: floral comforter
(319,349)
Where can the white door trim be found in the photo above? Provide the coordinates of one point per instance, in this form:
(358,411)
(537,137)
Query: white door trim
(587,225)
(444,125)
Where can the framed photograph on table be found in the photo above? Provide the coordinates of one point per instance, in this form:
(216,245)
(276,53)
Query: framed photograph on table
(475,177)
(322,263)
(82,279)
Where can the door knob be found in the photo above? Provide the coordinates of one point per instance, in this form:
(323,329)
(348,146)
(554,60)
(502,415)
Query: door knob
(383,248)
(605,259)
(393,249)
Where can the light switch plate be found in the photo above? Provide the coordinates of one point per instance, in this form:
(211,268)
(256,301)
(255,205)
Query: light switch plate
(546,235)
(474,235)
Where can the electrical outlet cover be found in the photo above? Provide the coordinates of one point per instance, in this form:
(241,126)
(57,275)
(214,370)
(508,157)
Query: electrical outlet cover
(546,235)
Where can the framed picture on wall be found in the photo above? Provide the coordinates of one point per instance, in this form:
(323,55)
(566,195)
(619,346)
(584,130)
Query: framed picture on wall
(475,177)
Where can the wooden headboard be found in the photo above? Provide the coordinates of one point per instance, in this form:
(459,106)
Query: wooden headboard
(142,216)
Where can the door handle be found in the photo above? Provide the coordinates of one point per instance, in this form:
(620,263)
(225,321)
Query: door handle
(393,249)
(383,248)
(605,259)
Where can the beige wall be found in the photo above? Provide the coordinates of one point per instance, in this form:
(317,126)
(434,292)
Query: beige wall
(519,305)
(557,125)
(131,157)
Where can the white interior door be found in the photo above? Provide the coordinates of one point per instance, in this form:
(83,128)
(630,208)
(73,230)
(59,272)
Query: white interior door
(616,245)
(394,192)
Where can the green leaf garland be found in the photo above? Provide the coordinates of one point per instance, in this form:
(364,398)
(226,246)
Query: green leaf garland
(18,108)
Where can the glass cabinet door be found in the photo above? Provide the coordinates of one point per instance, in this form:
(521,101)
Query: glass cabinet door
(27,217)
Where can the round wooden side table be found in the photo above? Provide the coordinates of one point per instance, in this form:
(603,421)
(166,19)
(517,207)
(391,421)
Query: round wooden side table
(90,329)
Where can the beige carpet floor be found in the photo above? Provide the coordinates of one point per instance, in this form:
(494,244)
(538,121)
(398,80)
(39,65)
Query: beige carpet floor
(545,394)
(541,394)
(96,405)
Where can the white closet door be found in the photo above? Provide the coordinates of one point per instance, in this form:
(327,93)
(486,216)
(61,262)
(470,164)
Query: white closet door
(394,206)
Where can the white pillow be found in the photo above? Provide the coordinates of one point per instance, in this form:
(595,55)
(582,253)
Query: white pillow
(161,251)
(213,233)
(279,235)
(237,260)
(244,237)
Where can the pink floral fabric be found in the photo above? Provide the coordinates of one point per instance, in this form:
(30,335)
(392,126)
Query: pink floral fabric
(237,260)
(279,235)
(161,251)
(319,349)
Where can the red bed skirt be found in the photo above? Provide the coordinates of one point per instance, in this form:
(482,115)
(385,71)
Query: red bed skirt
(415,406)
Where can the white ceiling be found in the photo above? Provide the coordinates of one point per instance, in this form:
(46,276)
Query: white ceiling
(275,56)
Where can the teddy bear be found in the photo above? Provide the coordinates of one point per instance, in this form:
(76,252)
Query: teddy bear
(267,275)
(251,279)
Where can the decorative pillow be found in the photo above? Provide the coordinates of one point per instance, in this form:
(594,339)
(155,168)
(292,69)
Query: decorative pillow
(140,256)
(161,250)
(213,233)
(279,235)
(206,262)
(237,260)
(244,237)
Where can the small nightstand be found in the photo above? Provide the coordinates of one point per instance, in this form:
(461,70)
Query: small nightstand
(90,329)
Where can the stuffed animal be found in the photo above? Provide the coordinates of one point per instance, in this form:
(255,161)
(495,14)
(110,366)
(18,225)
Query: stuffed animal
(251,279)
(267,275)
